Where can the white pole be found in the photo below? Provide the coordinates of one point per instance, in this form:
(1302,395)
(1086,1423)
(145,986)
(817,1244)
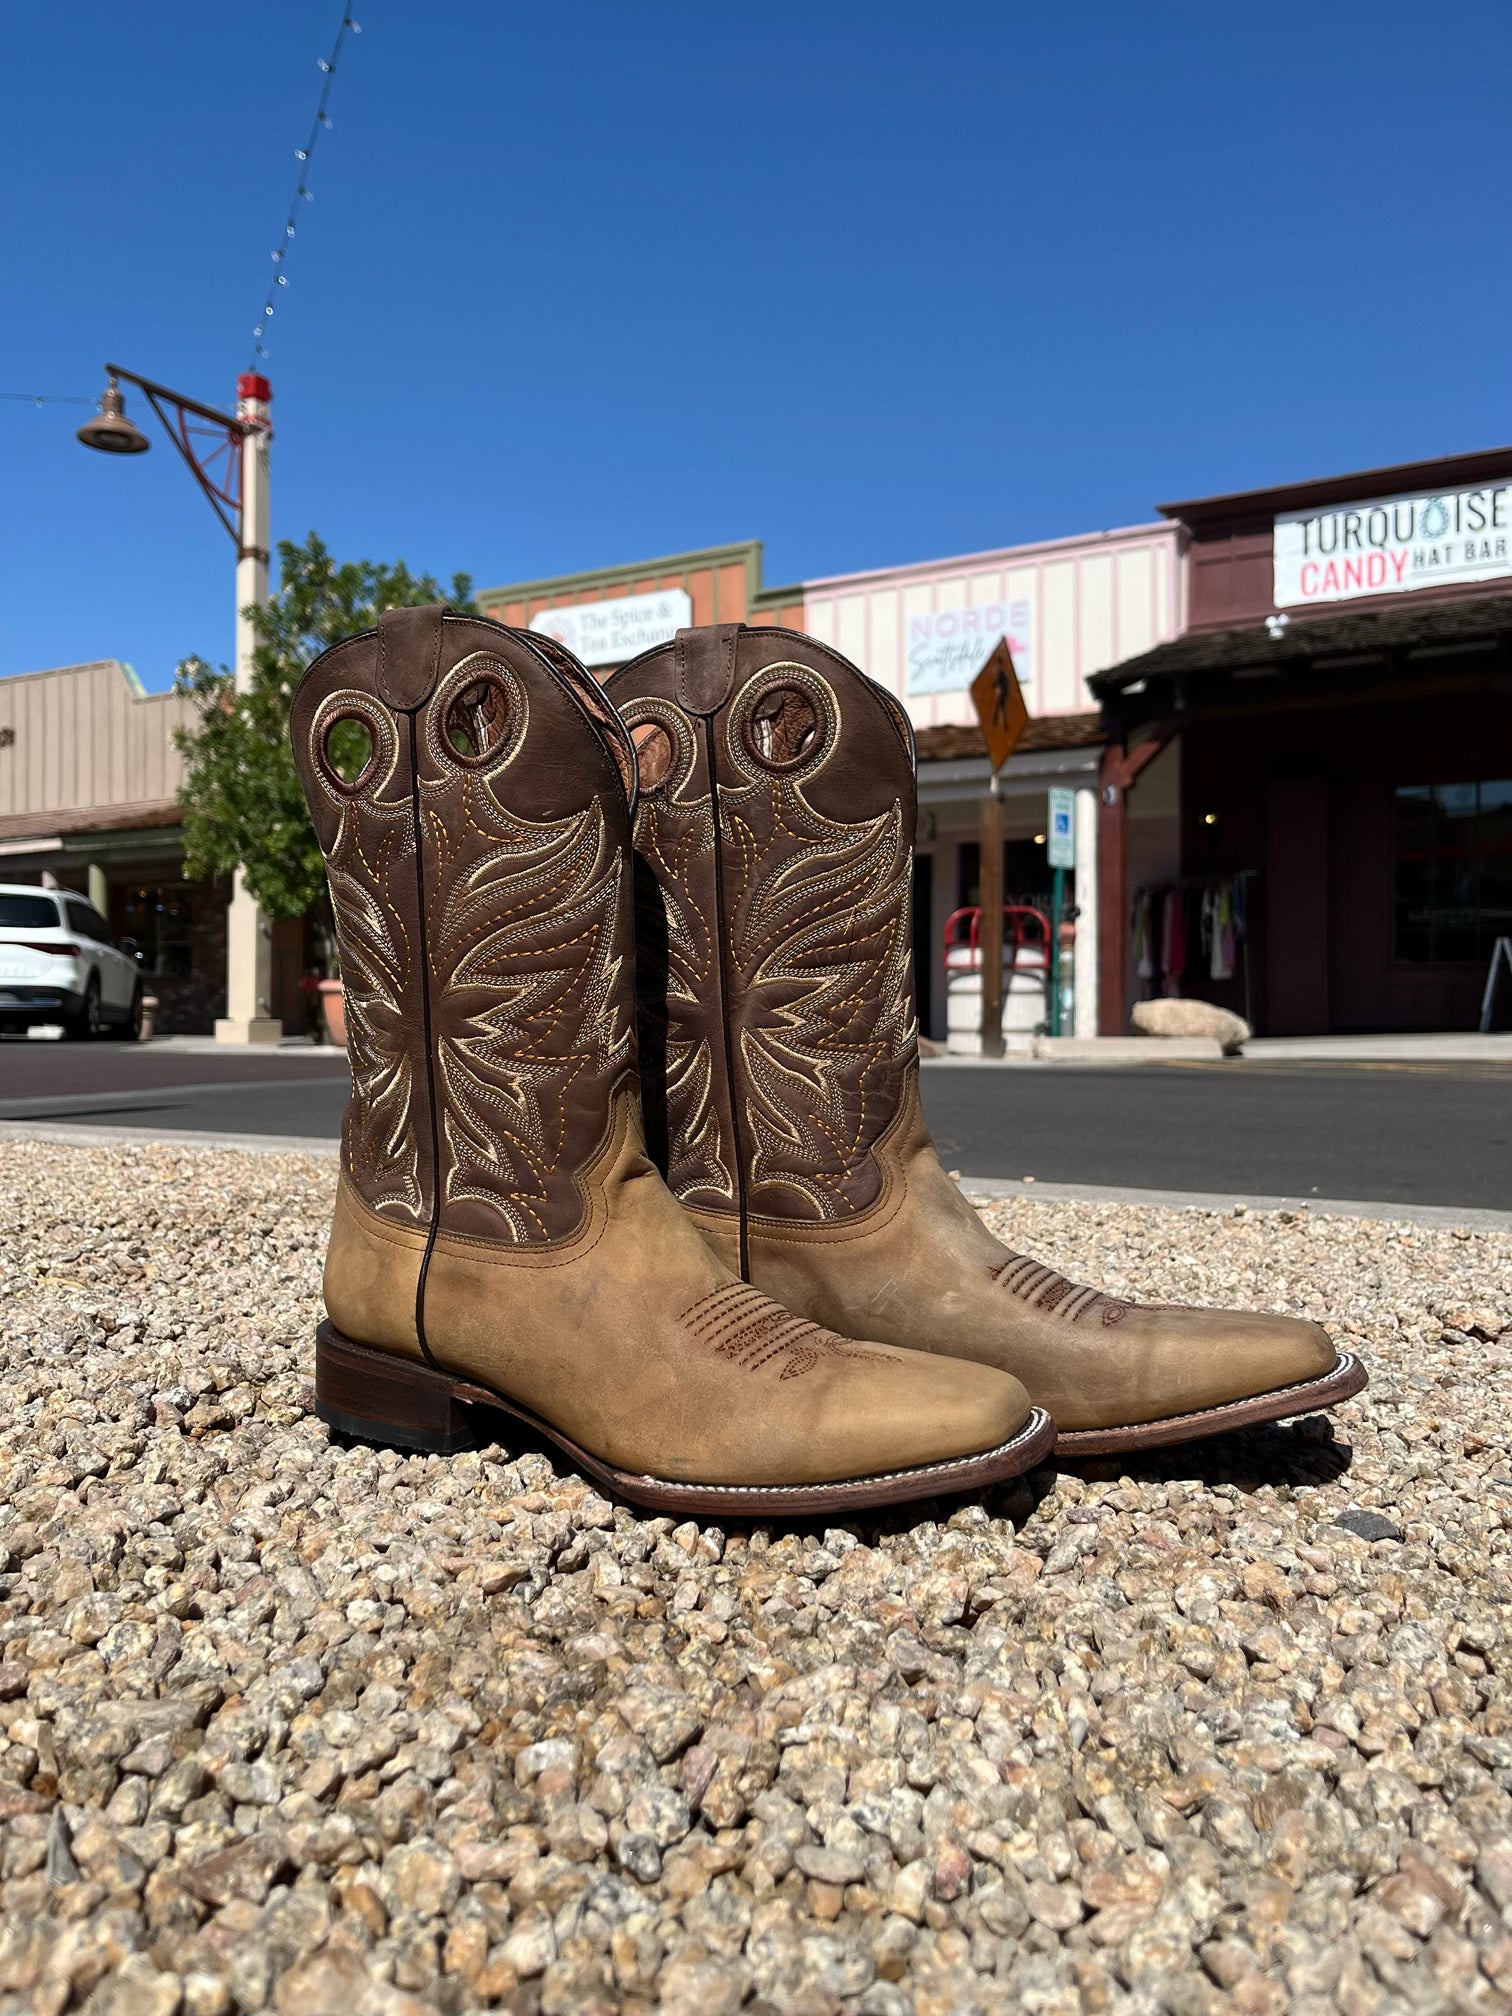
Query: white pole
(249,946)
(1085,970)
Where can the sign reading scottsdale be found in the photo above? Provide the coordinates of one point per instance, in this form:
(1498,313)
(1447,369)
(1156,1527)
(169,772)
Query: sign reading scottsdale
(607,633)
(1391,545)
(945,646)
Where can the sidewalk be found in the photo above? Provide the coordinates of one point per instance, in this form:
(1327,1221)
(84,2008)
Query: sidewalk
(1447,1047)
(1450,1046)
(207,1046)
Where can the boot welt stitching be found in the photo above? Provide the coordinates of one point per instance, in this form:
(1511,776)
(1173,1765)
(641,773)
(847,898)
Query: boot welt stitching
(1026,1433)
(1347,1360)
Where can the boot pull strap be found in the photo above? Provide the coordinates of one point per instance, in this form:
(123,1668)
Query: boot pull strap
(705,660)
(409,654)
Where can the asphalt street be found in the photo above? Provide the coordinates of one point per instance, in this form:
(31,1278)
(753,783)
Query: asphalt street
(1429,1133)
(1384,1133)
(137,1085)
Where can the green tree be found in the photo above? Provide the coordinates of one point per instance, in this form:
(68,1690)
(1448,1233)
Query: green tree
(243,804)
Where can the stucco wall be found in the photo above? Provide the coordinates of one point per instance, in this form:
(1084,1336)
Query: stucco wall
(1089,602)
(85,737)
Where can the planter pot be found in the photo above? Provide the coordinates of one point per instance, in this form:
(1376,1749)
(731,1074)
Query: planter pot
(333,1008)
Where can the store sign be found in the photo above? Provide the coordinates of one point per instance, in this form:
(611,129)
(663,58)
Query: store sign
(1392,545)
(1061,850)
(607,633)
(945,647)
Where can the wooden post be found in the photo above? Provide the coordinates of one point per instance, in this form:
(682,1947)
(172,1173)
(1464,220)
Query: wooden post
(991,937)
(1119,772)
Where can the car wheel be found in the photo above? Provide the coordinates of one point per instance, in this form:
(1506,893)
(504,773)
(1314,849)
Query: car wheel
(131,1028)
(88,1023)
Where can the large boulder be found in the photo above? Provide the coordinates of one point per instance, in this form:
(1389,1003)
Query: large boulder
(1172,1017)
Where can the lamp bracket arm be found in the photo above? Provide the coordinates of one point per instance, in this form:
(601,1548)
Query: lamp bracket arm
(210,443)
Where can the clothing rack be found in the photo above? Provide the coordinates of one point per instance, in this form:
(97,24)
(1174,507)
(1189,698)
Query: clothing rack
(1208,881)
(1214,879)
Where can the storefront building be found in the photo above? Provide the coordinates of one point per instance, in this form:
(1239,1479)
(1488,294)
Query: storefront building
(1295,801)
(1068,607)
(89,781)
(1307,796)
(611,614)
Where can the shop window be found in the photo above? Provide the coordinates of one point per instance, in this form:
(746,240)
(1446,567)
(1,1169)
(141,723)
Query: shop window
(157,915)
(1452,892)
(1026,874)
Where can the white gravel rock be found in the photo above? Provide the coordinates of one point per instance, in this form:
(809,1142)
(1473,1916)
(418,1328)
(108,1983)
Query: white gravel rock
(293,1725)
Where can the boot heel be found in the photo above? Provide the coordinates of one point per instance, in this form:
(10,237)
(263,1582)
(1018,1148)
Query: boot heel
(379,1398)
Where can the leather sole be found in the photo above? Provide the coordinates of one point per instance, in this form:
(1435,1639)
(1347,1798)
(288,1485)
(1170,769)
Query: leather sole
(376,1397)
(1346,1379)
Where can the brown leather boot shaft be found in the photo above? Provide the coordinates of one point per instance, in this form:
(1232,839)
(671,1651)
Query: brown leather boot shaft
(774,839)
(501,1236)
(771,1072)
(485,931)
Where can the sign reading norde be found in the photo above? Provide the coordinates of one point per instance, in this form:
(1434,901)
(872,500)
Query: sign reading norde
(607,633)
(945,646)
(1391,545)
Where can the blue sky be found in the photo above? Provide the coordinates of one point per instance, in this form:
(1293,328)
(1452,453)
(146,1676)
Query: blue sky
(873,283)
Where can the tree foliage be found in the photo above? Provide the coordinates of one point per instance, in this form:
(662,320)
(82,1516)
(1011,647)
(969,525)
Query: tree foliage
(243,804)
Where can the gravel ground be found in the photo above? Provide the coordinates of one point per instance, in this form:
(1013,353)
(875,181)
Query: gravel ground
(291,1724)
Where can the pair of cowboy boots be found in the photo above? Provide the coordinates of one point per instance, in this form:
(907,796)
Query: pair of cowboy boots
(550,908)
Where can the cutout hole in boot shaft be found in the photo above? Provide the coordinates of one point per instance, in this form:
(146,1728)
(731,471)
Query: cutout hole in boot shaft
(653,755)
(348,751)
(782,728)
(479,719)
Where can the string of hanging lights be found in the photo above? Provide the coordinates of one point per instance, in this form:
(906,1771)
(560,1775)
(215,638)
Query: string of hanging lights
(302,191)
(302,194)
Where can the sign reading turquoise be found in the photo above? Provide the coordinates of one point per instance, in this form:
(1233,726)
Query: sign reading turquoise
(1391,545)
(1061,837)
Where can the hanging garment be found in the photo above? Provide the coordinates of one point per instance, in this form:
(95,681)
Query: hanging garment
(1172,942)
(1144,950)
(1221,951)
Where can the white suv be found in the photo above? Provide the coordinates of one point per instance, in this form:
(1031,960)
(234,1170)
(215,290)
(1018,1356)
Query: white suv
(59,963)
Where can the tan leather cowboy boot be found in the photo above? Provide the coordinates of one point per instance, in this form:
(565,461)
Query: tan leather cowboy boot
(779,1058)
(501,1238)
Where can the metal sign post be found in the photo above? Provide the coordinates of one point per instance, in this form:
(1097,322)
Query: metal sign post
(1001,710)
(991,934)
(1061,852)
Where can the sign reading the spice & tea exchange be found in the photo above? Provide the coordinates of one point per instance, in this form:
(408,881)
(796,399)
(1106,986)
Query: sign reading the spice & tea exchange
(1390,545)
(607,633)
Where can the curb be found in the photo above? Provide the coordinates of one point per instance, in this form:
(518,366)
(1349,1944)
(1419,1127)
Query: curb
(165,1137)
(980,1189)
(1440,1217)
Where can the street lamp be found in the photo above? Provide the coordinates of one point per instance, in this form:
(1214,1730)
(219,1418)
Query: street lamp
(227,454)
(110,430)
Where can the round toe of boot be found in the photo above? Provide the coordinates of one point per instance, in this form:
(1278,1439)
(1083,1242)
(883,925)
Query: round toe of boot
(945,1410)
(1252,1356)
(1211,1371)
(1293,1352)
